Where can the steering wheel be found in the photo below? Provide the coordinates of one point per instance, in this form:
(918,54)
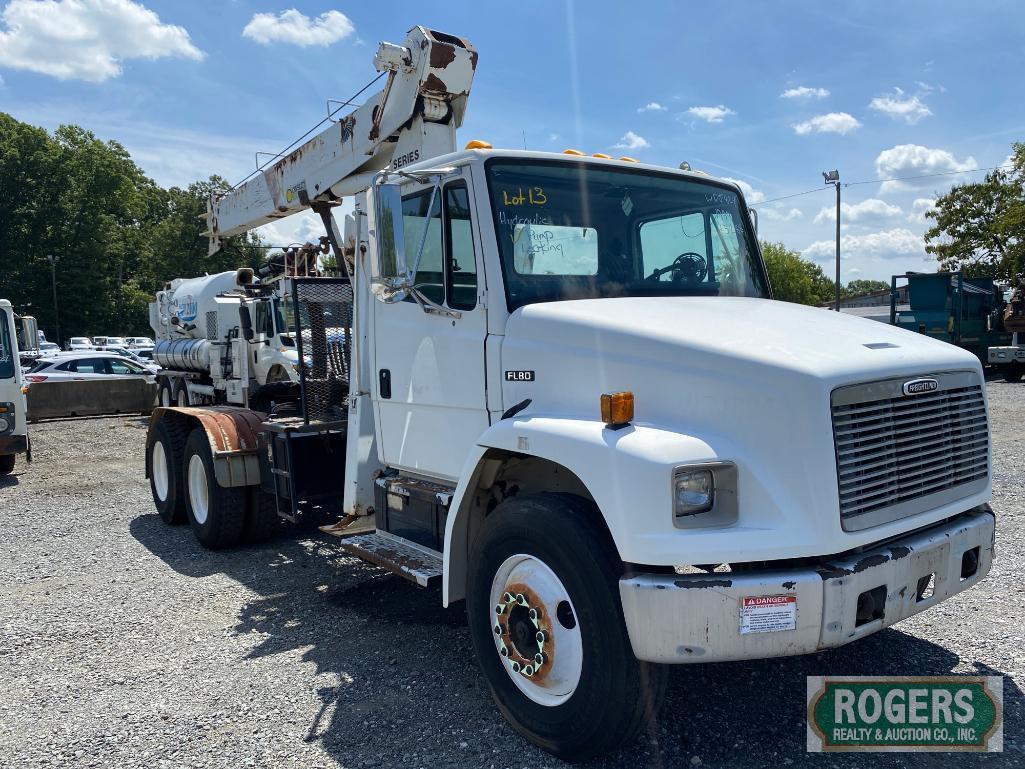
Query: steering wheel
(688,267)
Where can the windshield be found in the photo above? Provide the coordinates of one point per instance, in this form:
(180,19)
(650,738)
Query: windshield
(567,230)
(7,357)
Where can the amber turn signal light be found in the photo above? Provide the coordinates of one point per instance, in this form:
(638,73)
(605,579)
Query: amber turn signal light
(617,409)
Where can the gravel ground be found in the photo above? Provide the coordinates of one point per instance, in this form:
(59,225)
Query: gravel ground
(123,643)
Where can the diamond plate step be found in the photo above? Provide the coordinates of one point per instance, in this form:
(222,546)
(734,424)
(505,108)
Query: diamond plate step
(398,556)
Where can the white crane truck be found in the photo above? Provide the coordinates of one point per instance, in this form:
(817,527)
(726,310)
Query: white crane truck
(13,411)
(559,385)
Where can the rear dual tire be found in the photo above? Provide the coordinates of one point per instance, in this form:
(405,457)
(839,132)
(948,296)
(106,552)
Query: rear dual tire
(216,513)
(7,462)
(184,488)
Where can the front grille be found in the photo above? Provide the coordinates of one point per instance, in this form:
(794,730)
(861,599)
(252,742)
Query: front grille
(898,455)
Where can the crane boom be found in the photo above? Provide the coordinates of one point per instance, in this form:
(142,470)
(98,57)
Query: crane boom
(412,118)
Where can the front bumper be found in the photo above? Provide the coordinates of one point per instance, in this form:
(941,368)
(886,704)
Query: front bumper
(13,444)
(699,617)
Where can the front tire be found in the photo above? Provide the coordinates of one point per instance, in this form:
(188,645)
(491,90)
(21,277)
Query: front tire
(217,514)
(7,462)
(547,626)
(1013,372)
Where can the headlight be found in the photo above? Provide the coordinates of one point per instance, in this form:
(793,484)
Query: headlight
(4,425)
(694,491)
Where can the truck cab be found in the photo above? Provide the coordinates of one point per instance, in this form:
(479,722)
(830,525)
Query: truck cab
(13,412)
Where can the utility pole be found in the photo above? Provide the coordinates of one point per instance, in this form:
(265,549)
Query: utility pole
(833,177)
(56,311)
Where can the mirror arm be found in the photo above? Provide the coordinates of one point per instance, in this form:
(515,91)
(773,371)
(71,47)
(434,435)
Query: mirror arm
(430,307)
(411,274)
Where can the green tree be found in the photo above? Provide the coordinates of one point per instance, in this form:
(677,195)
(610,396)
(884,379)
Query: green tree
(793,278)
(980,227)
(118,236)
(859,287)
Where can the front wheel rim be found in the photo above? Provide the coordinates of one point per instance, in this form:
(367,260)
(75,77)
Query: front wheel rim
(158,469)
(536,631)
(199,494)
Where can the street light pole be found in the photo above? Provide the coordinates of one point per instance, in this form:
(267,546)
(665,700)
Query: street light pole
(53,277)
(833,177)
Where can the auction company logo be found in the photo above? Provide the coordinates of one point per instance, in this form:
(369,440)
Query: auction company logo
(905,714)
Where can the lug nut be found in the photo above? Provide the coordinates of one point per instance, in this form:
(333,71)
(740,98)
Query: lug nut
(516,667)
(500,608)
(528,671)
(498,630)
(534,614)
(508,597)
(540,659)
(540,637)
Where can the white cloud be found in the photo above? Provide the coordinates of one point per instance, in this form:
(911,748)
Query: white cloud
(919,208)
(553,137)
(291,26)
(804,92)
(870,209)
(899,106)
(86,39)
(631,141)
(916,160)
(711,114)
(776,215)
(885,243)
(652,106)
(833,122)
(751,195)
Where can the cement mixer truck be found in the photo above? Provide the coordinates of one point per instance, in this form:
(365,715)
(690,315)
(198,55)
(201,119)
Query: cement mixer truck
(223,338)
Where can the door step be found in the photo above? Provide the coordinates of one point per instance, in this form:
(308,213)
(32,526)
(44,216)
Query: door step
(416,564)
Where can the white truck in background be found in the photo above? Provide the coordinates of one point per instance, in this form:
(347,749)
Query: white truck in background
(202,350)
(567,395)
(13,411)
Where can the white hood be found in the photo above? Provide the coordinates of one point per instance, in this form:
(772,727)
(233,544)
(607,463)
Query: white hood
(750,378)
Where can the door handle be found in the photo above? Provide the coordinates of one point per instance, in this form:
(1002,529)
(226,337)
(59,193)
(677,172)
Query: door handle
(384,383)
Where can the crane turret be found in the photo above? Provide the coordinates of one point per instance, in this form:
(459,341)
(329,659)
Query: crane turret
(412,118)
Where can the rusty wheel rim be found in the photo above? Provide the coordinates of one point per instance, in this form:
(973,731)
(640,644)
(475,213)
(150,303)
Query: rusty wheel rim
(535,628)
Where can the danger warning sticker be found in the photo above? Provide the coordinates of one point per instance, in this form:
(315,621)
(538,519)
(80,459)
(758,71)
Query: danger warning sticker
(768,613)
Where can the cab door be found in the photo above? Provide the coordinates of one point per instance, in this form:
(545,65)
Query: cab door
(429,389)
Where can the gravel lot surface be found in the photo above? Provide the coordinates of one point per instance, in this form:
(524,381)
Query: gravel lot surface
(123,643)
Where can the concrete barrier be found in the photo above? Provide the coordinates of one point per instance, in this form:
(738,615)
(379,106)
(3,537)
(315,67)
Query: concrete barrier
(90,397)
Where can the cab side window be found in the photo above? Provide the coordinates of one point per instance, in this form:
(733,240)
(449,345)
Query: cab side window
(460,261)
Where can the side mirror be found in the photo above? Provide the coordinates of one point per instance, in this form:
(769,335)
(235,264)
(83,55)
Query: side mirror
(391,276)
(245,320)
(754,219)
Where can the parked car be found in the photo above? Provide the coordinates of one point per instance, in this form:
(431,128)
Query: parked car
(48,349)
(80,343)
(139,342)
(134,355)
(92,365)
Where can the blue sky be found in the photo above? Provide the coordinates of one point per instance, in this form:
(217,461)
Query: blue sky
(768,94)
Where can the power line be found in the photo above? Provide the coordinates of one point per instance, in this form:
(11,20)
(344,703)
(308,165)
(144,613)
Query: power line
(891,179)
